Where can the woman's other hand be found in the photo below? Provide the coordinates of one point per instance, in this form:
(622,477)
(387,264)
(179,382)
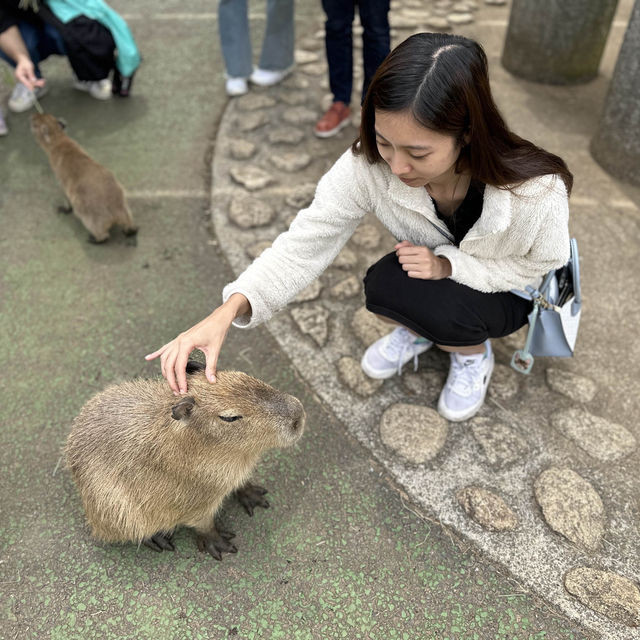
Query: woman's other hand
(208,336)
(421,262)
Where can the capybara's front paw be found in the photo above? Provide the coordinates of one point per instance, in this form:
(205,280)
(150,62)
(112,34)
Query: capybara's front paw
(251,496)
(161,541)
(216,542)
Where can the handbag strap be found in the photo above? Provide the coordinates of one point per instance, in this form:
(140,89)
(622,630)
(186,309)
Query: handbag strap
(575,272)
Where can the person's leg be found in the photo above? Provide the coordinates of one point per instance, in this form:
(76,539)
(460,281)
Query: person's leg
(233,23)
(457,318)
(339,47)
(376,38)
(277,47)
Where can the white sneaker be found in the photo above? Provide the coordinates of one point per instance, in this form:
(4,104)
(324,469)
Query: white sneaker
(236,86)
(467,384)
(265,78)
(3,125)
(21,99)
(98,89)
(386,357)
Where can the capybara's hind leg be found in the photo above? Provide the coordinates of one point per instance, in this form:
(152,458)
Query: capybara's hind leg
(98,240)
(65,208)
(161,541)
(126,220)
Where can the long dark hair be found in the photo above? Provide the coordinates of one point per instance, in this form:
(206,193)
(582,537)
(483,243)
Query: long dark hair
(443,80)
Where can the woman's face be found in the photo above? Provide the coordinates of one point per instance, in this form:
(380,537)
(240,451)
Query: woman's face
(417,155)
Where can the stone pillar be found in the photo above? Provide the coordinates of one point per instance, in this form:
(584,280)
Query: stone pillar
(616,145)
(557,41)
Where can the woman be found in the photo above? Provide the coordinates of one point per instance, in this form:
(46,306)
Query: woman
(477,210)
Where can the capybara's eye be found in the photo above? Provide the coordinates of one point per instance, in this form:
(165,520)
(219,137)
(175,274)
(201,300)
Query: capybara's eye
(230,418)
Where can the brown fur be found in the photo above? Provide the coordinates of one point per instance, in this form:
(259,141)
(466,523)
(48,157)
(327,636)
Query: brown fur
(140,470)
(95,195)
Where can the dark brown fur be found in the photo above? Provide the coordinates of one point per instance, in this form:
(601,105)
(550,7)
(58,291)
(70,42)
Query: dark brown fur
(95,195)
(145,461)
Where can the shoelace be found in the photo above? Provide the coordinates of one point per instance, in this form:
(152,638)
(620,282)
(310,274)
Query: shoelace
(465,376)
(401,341)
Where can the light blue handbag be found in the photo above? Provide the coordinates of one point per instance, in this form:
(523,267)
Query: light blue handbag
(554,321)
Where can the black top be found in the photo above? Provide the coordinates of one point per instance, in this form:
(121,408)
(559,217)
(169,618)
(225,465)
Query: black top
(467,214)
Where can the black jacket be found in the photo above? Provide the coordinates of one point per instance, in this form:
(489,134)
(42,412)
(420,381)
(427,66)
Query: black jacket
(88,44)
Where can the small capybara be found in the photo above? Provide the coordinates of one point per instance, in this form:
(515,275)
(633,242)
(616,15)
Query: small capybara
(94,194)
(146,461)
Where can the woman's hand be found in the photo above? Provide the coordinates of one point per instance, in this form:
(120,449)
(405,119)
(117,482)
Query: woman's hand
(208,336)
(24,72)
(421,262)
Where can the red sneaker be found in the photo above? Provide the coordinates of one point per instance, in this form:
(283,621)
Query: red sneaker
(335,119)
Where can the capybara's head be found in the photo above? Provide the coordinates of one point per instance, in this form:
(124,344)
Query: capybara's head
(46,128)
(239,412)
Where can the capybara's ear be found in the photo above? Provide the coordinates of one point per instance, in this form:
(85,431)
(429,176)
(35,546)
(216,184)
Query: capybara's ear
(63,123)
(193,366)
(183,409)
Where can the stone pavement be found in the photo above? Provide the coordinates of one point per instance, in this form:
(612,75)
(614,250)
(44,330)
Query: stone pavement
(545,479)
(344,552)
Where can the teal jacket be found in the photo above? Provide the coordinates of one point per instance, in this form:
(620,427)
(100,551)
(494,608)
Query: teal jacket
(128,57)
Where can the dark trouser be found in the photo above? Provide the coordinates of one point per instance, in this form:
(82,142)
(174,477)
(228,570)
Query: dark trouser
(41,40)
(444,311)
(375,42)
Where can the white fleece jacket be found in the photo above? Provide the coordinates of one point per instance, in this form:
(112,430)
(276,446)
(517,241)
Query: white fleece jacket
(520,235)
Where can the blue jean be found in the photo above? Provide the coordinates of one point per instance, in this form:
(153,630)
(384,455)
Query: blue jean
(277,46)
(376,42)
(42,40)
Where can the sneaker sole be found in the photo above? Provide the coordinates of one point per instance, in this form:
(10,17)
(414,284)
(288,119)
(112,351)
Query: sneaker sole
(469,413)
(332,132)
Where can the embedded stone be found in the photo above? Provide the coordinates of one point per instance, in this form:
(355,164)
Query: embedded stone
(504,382)
(297,81)
(402,22)
(346,259)
(312,321)
(500,444)
(443,4)
(250,177)
(302,56)
(254,101)
(254,250)
(300,115)
(346,288)
(495,3)
(601,439)
(353,377)
(366,236)
(291,161)
(437,22)
(368,327)
(309,293)
(414,432)
(577,388)
(315,69)
(285,135)
(486,508)
(608,593)
(460,18)
(425,385)
(248,212)
(464,7)
(294,98)
(571,506)
(301,196)
(242,149)
(252,121)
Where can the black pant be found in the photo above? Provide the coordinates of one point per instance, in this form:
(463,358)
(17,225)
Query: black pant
(444,311)
(375,42)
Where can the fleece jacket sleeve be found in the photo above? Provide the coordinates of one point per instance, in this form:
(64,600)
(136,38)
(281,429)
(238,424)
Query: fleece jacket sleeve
(543,218)
(316,236)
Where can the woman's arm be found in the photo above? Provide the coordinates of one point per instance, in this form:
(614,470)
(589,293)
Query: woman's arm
(12,44)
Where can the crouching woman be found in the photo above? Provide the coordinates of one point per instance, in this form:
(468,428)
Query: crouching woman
(476,210)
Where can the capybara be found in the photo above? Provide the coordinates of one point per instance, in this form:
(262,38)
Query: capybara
(146,461)
(94,194)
